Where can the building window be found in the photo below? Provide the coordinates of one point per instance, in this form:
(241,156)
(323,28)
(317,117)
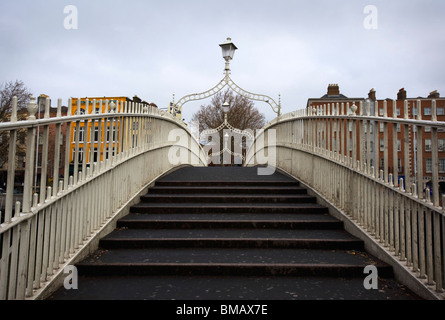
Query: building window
(80,155)
(39,160)
(399,145)
(428,145)
(441,165)
(112,152)
(398,111)
(427,111)
(440,111)
(96,134)
(381,111)
(399,165)
(382,163)
(81,134)
(427,129)
(441,145)
(382,145)
(429,165)
(381,126)
(111,134)
(414,111)
(399,127)
(95,155)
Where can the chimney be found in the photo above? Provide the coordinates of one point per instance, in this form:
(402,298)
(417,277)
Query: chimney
(434,95)
(371,95)
(137,99)
(402,94)
(333,90)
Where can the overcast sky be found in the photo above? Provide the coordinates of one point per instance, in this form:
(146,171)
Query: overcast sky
(156,48)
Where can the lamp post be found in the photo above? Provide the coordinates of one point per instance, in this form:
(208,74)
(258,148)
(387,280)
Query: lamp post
(225,108)
(228,50)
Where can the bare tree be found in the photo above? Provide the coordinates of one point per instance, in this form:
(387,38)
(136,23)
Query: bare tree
(7,91)
(242,113)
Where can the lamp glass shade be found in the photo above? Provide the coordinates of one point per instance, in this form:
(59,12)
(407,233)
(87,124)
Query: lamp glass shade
(225,107)
(228,49)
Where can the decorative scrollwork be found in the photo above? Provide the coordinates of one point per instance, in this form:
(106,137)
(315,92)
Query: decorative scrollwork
(227,81)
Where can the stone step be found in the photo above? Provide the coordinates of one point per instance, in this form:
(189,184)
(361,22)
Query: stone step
(225,198)
(275,208)
(218,221)
(227,233)
(226,190)
(224,261)
(175,290)
(255,256)
(230,238)
(223,183)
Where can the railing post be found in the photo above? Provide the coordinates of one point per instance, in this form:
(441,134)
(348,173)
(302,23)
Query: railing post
(30,151)
(11,165)
(419,162)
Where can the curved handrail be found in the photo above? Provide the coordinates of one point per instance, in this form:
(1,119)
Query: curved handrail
(393,207)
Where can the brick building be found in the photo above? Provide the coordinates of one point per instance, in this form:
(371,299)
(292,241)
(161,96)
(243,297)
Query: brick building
(51,142)
(336,103)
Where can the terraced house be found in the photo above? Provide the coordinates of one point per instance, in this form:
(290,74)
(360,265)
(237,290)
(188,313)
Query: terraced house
(400,145)
(98,139)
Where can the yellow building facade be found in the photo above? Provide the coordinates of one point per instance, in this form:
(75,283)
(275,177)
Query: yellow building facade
(98,136)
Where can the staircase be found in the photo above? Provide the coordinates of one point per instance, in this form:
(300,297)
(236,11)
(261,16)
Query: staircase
(227,233)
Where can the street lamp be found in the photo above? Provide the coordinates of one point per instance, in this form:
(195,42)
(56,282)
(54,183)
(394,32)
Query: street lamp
(228,50)
(225,107)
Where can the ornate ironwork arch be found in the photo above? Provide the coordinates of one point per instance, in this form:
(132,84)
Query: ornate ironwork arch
(250,135)
(227,81)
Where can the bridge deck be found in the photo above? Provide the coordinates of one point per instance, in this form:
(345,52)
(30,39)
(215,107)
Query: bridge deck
(231,246)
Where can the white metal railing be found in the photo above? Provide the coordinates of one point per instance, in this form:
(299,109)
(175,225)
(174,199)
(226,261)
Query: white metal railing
(45,230)
(329,149)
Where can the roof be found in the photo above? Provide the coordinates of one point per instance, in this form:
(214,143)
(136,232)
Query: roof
(340,96)
(332,98)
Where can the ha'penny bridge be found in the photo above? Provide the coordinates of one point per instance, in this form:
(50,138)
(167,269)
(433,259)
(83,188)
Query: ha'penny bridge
(303,217)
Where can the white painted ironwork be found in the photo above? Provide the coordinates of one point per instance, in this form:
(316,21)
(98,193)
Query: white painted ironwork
(403,215)
(228,82)
(226,124)
(46,230)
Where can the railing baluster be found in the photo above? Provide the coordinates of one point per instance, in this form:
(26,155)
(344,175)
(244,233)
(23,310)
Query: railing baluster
(334,154)
(4,264)
(437,252)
